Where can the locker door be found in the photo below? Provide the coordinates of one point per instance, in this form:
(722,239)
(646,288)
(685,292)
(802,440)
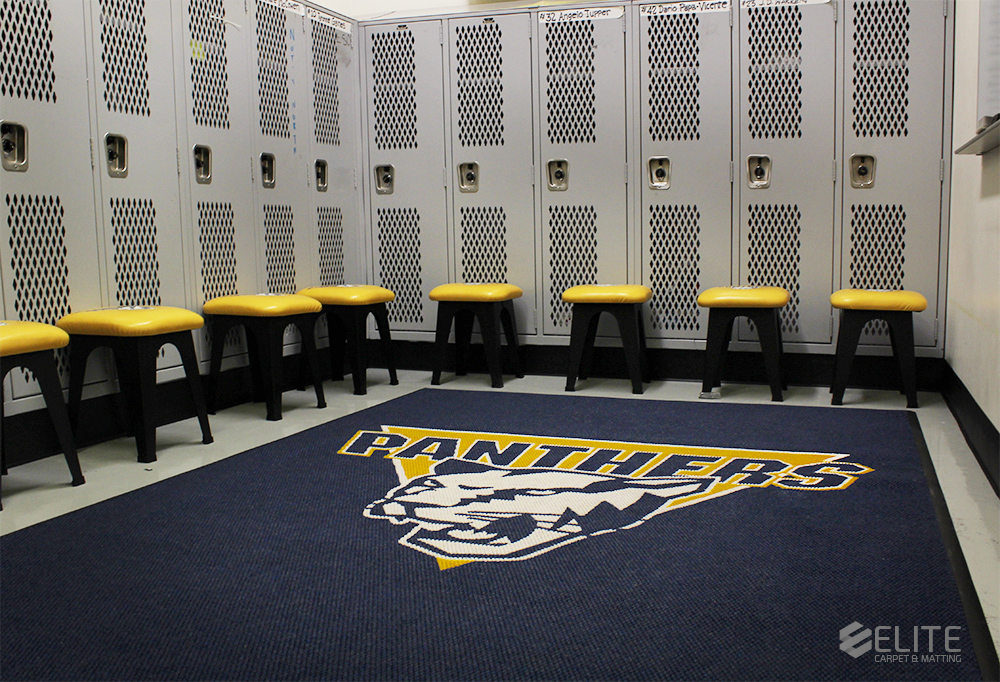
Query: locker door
(492,154)
(787,88)
(685,74)
(216,117)
(136,155)
(405,92)
(892,150)
(50,243)
(581,62)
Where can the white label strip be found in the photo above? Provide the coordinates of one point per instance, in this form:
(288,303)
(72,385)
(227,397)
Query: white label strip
(696,7)
(756,4)
(289,6)
(584,14)
(333,22)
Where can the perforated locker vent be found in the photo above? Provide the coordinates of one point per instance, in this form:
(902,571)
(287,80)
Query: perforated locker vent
(881,82)
(399,262)
(272,70)
(38,261)
(480,85)
(137,263)
(330,222)
(878,244)
(775,254)
(217,238)
(26,56)
(326,89)
(675,267)
(123,56)
(484,244)
(394,85)
(674,94)
(572,255)
(279,248)
(209,65)
(571,96)
(775,58)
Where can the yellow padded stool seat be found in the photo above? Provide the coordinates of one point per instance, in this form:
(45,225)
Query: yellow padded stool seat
(347,308)
(135,335)
(262,305)
(475,293)
(867,299)
(607,293)
(30,345)
(744,297)
(131,321)
(349,294)
(18,337)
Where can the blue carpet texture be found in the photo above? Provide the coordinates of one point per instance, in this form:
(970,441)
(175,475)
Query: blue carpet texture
(452,535)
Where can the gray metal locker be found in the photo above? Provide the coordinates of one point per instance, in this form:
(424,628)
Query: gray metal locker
(685,123)
(492,155)
(406,166)
(582,154)
(784,168)
(49,248)
(892,158)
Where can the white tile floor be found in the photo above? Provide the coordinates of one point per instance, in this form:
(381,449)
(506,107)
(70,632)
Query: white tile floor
(39,491)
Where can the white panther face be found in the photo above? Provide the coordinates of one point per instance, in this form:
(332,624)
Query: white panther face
(469,510)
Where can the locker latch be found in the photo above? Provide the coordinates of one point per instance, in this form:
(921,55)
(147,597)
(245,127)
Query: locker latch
(267,169)
(468,177)
(385,179)
(558,175)
(862,171)
(758,171)
(116,154)
(322,175)
(14,138)
(203,164)
(659,172)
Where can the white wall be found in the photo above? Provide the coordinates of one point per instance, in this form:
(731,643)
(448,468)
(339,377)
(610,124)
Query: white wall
(972,342)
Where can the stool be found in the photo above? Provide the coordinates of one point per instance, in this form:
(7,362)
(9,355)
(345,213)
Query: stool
(30,345)
(857,308)
(264,317)
(761,305)
(135,335)
(347,308)
(492,304)
(624,302)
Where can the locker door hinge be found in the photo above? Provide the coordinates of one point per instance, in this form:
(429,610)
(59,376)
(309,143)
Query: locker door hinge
(444,176)
(355,178)
(91,153)
(941,171)
(624,27)
(944,7)
(835,171)
(178,153)
(836,8)
(730,172)
(532,171)
(626,173)
(831,326)
(730,16)
(441,32)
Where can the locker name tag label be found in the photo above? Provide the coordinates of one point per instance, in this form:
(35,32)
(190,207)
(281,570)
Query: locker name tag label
(699,7)
(333,22)
(585,14)
(289,6)
(752,4)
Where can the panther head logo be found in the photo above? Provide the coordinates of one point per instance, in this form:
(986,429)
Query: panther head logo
(472,511)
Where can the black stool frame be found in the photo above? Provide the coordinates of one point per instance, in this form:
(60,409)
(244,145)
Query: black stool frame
(265,341)
(852,322)
(42,364)
(720,331)
(346,324)
(135,361)
(492,316)
(583,333)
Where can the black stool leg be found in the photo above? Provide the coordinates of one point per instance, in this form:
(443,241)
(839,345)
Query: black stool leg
(628,329)
(270,341)
(768,324)
(509,322)
(719,328)
(42,364)
(489,325)
(135,359)
(465,318)
(593,315)
(80,348)
(354,335)
(185,346)
(583,316)
(647,370)
(337,337)
(381,314)
(851,324)
(444,316)
(901,331)
(217,329)
(307,330)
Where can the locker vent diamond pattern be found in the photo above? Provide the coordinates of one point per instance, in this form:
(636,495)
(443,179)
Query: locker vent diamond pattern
(571,96)
(26,56)
(326,88)
(484,244)
(123,56)
(137,262)
(674,93)
(399,262)
(881,68)
(675,267)
(480,85)
(217,238)
(279,249)
(331,246)
(38,261)
(775,58)
(878,243)
(572,255)
(272,70)
(775,254)
(209,65)
(394,85)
